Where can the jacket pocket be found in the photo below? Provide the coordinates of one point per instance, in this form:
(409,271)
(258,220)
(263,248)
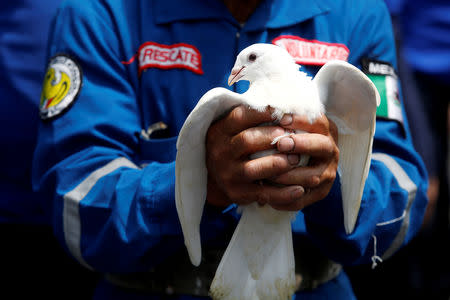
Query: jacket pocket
(160,150)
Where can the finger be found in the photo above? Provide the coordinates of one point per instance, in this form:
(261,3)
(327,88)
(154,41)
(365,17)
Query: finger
(242,117)
(255,139)
(333,130)
(308,177)
(266,194)
(215,196)
(268,166)
(302,122)
(316,145)
(309,197)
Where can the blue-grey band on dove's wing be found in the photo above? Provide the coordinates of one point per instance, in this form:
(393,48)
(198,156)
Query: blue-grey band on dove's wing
(350,100)
(190,171)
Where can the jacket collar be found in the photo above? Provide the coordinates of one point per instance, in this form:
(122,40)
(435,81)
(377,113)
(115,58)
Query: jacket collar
(269,14)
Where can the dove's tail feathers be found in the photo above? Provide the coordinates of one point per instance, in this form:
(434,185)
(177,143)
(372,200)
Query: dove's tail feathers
(261,252)
(243,289)
(277,280)
(351,101)
(234,283)
(190,171)
(233,279)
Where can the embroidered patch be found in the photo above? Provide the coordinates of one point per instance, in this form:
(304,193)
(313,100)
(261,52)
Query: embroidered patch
(312,52)
(61,86)
(154,55)
(385,79)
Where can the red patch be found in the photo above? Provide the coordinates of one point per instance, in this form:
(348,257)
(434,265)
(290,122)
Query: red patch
(176,56)
(311,52)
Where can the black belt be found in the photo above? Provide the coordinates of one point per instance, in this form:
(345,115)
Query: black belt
(178,276)
(175,276)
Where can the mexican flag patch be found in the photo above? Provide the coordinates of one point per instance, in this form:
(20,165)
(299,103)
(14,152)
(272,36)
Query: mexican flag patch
(385,79)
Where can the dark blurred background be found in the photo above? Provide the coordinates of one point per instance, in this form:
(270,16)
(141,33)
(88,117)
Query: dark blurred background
(34,264)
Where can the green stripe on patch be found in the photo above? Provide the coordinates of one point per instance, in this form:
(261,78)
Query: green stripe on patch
(380,84)
(387,87)
(385,79)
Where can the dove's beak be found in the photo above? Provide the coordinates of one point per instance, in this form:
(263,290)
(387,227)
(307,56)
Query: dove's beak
(236,75)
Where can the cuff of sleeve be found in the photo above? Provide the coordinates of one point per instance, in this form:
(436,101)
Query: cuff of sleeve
(158,201)
(327,212)
(218,225)
(324,222)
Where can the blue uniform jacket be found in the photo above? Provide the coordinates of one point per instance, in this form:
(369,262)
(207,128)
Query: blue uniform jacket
(111,190)
(24,27)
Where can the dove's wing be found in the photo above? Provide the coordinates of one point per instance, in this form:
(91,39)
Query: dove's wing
(350,100)
(190,170)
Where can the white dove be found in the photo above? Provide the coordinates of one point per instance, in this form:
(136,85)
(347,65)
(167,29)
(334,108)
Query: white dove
(259,260)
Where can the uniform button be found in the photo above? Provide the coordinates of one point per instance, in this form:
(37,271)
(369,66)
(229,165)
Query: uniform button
(238,34)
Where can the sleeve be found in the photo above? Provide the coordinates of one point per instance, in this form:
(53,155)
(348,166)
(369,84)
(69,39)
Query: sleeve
(110,213)
(394,198)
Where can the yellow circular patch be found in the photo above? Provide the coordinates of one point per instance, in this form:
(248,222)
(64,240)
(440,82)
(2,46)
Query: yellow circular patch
(61,86)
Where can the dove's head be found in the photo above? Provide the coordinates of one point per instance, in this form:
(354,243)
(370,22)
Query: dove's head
(261,61)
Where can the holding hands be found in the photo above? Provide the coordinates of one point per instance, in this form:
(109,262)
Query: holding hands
(235,178)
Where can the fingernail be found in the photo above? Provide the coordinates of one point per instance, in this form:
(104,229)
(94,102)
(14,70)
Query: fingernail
(293,159)
(297,192)
(286,120)
(279,132)
(286,144)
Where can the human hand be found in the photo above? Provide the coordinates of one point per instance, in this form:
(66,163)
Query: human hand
(235,178)
(320,143)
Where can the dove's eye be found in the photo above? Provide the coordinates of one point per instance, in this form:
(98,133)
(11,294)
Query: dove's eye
(252,57)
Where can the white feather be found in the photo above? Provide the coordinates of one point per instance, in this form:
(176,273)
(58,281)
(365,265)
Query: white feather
(351,101)
(190,171)
(259,260)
